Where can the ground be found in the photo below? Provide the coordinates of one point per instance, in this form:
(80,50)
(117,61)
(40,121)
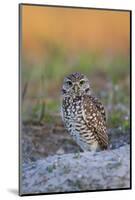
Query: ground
(53,162)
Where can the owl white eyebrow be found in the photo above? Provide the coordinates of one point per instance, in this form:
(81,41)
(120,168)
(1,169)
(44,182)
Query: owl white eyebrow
(82,80)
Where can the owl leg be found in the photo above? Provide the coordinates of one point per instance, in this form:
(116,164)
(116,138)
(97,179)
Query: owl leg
(95,146)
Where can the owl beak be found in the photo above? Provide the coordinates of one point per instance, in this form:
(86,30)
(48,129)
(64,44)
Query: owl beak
(76,88)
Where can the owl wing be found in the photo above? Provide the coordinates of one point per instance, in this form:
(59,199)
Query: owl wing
(94,117)
(99,106)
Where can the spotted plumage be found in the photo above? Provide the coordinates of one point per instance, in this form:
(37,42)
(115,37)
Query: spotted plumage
(83,114)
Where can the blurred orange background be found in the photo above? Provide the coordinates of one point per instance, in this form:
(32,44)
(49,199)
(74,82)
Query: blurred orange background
(74,30)
(57,41)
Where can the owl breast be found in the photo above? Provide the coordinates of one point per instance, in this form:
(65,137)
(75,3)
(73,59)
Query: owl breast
(72,113)
(73,119)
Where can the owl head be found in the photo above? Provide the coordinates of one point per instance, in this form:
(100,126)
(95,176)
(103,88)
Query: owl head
(76,84)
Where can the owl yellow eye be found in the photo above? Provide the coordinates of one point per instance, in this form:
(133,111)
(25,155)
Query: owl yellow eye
(82,82)
(69,83)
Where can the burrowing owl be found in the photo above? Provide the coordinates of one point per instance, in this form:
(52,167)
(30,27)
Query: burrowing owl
(83,114)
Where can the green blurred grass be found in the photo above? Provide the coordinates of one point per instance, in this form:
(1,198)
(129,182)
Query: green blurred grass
(109,76)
